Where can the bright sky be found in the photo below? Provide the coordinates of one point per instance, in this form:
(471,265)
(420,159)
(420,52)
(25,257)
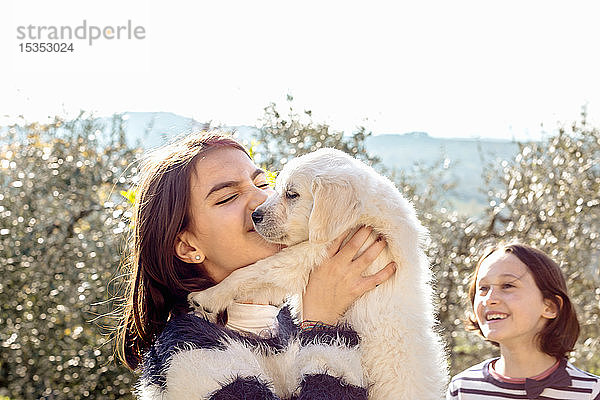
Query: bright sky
(449,68)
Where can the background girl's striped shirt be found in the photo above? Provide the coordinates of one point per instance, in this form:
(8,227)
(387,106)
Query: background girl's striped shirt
(566,383)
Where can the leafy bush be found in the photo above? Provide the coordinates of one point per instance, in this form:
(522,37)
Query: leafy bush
(59,249)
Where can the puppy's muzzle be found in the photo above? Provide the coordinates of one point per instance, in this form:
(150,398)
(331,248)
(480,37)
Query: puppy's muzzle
(257,216)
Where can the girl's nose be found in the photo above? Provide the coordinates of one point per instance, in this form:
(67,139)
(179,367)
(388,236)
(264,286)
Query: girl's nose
(491,297)
(258,197)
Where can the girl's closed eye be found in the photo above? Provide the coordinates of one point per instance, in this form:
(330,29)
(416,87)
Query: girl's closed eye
(226,200)
(233,196)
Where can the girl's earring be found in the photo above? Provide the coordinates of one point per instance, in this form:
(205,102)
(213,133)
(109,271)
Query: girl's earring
(198,258)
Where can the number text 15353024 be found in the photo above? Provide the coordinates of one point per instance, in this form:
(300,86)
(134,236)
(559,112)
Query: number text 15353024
(36,47)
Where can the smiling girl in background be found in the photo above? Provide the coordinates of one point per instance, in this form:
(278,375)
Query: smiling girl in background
(520,303)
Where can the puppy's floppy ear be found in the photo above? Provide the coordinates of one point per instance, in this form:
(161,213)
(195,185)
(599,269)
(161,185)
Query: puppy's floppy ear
(335,208)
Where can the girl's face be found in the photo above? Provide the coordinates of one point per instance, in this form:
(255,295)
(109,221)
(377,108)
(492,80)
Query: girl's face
(508,305)
(226,187)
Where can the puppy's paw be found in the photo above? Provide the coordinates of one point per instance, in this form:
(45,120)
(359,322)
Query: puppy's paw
(206,314)
(199,302)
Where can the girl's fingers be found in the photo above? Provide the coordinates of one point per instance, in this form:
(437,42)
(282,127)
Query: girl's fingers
(370,254)
(334,247)
(371,281)
(349,250)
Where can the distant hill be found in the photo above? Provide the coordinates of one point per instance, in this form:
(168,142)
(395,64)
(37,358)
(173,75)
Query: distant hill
(152,129)
(465,158)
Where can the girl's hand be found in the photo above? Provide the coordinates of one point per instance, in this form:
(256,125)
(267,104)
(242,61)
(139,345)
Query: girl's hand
(338,282)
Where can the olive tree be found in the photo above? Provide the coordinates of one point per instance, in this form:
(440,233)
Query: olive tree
(60,246)
(287,135)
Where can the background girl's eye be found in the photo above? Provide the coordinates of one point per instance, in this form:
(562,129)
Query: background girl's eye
(263,186)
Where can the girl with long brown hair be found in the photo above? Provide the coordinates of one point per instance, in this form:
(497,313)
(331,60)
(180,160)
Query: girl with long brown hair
(192,228)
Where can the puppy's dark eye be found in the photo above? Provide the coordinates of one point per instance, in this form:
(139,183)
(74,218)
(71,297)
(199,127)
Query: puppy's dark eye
(291,195)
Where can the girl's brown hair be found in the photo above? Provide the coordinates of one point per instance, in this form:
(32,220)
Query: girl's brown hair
(559,335)
(157,282)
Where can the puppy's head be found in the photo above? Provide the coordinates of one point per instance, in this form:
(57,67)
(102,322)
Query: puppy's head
(316,199)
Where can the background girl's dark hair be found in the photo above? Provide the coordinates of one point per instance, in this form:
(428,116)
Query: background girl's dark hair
(156,281)
(559,335)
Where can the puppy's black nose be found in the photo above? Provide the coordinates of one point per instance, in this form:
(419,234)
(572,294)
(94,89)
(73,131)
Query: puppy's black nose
(257,216)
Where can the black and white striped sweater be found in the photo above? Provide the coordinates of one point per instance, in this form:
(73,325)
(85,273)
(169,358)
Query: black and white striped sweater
(196,359)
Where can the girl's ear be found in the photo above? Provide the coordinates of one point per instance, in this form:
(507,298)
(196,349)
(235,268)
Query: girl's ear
(186,251)
(552,308)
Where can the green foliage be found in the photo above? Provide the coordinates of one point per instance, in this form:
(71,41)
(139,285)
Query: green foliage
(59,249)
(283,137)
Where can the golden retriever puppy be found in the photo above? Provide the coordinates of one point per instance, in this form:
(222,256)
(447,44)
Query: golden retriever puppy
(318,197)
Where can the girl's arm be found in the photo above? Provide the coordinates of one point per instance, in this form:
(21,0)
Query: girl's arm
(190,361)
(195,359)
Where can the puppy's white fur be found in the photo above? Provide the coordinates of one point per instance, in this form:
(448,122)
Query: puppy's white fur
(318,197)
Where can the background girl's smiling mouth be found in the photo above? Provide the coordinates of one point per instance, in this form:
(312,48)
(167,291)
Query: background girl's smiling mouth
(494,316)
